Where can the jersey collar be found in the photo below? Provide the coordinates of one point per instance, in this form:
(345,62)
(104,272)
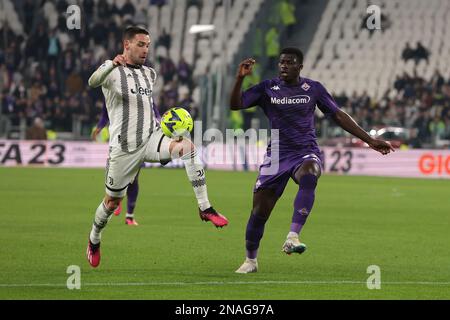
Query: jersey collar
(133,66)
(284,84)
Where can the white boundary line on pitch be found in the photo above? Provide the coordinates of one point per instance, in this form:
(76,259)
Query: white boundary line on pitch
(219,283)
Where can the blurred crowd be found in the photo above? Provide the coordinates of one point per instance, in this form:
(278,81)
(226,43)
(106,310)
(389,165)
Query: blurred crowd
(44,72)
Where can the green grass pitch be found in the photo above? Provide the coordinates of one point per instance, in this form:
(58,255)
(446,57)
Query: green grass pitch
(400,225)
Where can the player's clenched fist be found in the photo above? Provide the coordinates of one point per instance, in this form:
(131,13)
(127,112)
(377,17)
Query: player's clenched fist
(245,67)
(119,60)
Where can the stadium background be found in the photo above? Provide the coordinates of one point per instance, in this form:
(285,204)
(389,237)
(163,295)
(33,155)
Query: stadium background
(395,82)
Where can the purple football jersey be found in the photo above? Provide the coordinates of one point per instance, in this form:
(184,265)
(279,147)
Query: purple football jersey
(290,109)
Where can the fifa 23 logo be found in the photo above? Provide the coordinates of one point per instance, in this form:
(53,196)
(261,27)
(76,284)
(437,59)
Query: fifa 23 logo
(73,17)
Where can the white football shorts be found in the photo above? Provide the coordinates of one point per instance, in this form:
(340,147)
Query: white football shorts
(122,167)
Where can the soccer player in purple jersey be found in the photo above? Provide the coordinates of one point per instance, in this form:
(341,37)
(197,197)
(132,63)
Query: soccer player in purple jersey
(289,102)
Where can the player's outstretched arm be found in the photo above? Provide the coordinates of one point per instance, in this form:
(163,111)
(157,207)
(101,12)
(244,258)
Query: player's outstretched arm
(245,69)
(100,75)
(347,123)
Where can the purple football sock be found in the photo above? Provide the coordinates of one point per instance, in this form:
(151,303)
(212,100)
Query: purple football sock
(132,193)
(303,201)
(254,233)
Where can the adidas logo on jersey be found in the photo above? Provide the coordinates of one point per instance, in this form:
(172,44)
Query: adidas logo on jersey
(275,88)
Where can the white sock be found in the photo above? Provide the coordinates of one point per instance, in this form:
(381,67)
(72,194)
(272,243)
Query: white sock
(197,177)
(292,235)
(130,215)
(102,216)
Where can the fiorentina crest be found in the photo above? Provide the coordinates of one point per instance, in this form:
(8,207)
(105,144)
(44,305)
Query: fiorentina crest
(306,86)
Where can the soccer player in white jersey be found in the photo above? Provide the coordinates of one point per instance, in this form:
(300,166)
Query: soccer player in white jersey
(136,136)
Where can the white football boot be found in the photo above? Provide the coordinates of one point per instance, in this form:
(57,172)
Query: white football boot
(249,266)
(293,244)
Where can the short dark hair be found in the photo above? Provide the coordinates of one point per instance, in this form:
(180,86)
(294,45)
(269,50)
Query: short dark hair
(130,32)
(294,51)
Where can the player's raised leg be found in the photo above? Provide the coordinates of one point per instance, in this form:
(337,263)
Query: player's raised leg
(306,176)
(102,215)
(132,194)
(264,201)
(185,150)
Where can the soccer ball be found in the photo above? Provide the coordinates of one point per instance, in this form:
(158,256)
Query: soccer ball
(176,122)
